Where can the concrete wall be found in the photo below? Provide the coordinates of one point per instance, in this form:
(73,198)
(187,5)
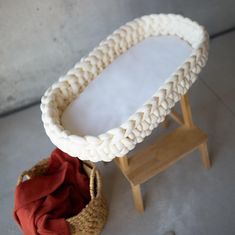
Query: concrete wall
(41,40)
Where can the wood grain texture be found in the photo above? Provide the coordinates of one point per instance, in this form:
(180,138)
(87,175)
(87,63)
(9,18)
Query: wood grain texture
(163,153)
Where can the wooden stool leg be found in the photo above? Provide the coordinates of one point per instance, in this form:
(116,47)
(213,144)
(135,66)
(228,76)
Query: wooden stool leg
(176,117)
(186,111)
(166,122)
(205,156)
(138,200)
(122,162)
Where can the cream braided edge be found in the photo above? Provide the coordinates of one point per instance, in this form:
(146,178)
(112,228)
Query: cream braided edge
(119,141)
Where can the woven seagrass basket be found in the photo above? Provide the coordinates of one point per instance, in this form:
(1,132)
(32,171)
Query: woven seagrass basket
(92,218)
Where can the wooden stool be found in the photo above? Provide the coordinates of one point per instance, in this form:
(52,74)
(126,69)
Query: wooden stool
(164,152)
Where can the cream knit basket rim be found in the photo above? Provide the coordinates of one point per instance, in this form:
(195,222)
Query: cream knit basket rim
(119,141)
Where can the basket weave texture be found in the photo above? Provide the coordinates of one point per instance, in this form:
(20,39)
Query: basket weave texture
(93,217)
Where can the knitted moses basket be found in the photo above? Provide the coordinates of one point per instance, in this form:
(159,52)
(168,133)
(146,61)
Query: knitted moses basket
(92,218)
(119,141)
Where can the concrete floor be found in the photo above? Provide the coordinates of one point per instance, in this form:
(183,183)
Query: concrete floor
(186,198)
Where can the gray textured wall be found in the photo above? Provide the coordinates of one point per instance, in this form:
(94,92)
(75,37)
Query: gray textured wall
(41,40)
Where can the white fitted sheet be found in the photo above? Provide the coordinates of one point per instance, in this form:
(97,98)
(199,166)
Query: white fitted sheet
(125,85)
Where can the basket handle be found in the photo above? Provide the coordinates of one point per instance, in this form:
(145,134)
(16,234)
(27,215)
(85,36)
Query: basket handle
(92,183)
(21,177)
(95,183)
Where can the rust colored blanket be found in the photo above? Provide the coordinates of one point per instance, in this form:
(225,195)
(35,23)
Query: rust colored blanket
(44,202)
